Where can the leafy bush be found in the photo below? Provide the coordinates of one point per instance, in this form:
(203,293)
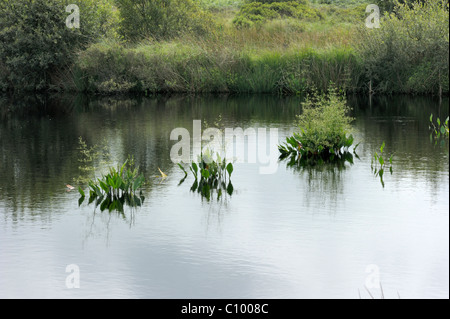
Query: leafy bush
(409,53)
(324,125)
(162,19)
(36,45)
(256,13)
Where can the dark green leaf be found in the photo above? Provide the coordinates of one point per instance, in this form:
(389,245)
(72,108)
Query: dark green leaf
(230,189)
(182,168)
(205,174)
(80,190)
(230,169)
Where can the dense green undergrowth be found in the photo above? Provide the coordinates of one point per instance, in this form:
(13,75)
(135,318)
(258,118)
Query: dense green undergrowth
(182,68)
(265,46)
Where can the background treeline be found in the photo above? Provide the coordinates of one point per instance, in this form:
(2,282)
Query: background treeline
(263,46)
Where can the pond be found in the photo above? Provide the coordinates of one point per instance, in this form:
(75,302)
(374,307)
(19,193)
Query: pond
(322,232)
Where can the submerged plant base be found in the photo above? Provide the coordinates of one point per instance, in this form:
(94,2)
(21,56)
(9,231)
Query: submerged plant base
(294,150)
(299,161)
(115,203)
(116,189)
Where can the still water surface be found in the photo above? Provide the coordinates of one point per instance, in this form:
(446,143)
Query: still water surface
(308,233)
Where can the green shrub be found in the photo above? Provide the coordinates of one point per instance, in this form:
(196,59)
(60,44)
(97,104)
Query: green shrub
(36,45)
(162,19)
(409,53)
(324,126)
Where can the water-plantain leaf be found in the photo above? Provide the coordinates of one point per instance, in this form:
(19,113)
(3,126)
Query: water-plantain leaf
(230,169)
(138,182)
(205,173)
(81,200)
(230,189)
(80,190)
(206,191)
(104,186)
(182,180)
(119,206)
(194,186)
(349,141)
(105,204)
(382,147)
(137,201)
(123,167)
(182,168)
(111,182)
(381,160)
(112,206)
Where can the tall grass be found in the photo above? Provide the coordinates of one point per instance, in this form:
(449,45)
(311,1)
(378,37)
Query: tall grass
(199,67)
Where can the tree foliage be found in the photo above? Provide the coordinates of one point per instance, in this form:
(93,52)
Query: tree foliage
(36,44)
(409,53)
(161,19)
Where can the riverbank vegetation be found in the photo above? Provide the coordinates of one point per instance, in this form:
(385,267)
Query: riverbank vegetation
(230,46)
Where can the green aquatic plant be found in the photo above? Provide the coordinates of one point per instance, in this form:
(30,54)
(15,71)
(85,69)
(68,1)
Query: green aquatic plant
(118,187)
(439,129)
(210,173)
(324,131)
(379,164)
(90,158)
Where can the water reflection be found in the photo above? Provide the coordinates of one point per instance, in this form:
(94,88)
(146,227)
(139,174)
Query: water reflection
(39,134)
(302,232)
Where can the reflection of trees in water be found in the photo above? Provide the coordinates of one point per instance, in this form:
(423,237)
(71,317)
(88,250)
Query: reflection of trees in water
(403,123)
(39,137)
(100,224)
(35,143)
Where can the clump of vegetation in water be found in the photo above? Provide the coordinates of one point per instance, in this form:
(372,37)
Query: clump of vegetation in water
(210,173)
(439,129)
(118,187)
(324,132)
(379,164)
